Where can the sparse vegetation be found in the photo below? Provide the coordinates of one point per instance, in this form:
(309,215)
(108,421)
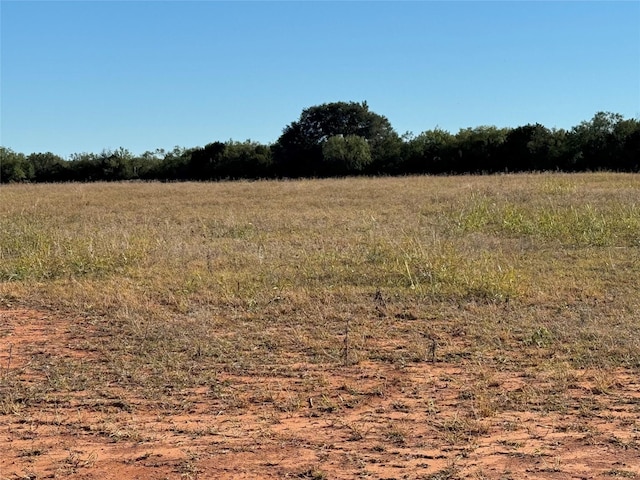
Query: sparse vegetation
(498,296)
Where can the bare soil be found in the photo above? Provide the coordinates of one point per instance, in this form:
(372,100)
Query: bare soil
(368,420)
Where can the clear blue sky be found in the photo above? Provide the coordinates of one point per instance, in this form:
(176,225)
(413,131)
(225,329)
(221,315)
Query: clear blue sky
(82,76)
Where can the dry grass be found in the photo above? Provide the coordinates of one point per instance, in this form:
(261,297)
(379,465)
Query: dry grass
(188,279)
(189,286)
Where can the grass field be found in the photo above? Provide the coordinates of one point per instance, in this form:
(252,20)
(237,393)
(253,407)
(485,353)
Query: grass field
(417,327)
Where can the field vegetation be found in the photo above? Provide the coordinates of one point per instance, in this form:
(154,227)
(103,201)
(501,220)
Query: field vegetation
(409,327)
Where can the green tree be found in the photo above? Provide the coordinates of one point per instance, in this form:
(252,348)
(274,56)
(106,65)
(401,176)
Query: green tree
(14,167)
(530,147)
(624,150)
(479,149)
(592,142)
(175,164)
(299,150)
(205,162)
(117,164)
(84,167)
(47,167)
(347,154)
(429,152)
(246,159)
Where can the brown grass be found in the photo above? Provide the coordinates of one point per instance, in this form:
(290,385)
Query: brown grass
(515,291)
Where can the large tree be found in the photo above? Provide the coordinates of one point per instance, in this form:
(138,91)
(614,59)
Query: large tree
(299,150)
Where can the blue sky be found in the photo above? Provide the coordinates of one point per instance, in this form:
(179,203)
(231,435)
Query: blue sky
(82,76)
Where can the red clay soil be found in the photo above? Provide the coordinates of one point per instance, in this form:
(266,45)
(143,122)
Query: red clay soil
(370,420)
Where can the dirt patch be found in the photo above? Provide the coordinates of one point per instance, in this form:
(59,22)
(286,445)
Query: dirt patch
(369,420)
(25,333)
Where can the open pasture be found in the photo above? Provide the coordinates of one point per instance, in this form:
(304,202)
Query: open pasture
(413,327)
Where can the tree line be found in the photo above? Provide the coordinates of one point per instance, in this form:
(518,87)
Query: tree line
(347,138)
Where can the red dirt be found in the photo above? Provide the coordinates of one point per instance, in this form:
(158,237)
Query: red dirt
(370,420)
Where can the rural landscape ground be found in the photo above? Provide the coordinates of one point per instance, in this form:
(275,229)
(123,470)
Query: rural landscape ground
(389,328)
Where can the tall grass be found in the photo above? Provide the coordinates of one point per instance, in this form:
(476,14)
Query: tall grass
(609,225)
